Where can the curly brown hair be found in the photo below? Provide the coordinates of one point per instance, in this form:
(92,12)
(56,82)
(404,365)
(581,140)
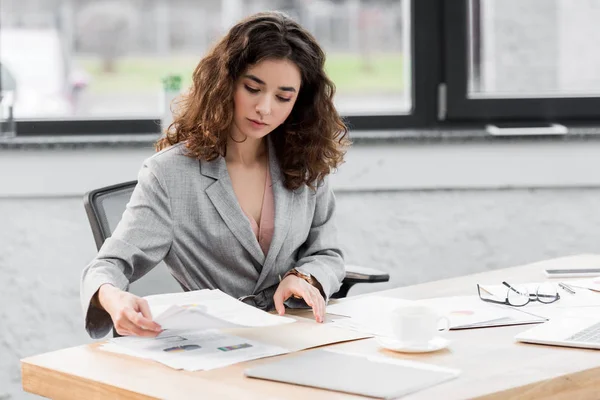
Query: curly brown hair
(312,140)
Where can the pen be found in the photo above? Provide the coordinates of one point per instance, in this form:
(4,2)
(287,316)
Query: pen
(566,288)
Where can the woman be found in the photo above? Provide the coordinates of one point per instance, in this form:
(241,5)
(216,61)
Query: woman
(237,198)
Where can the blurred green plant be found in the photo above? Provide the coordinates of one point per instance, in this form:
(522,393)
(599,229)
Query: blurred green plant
(171,83)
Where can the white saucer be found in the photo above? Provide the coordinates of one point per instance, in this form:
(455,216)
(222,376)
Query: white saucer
(437,343)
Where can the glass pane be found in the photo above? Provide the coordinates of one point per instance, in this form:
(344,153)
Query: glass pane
(107,58)
(534,48)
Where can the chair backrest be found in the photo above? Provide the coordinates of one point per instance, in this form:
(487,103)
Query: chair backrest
(104,208)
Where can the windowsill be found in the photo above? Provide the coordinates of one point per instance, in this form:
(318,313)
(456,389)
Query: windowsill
(438,135)
(357,137)
(78,141)
(378,161)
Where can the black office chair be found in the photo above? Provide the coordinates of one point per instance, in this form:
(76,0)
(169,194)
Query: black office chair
(104,208)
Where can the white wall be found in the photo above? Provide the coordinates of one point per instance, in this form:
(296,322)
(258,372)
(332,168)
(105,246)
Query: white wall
(379,166)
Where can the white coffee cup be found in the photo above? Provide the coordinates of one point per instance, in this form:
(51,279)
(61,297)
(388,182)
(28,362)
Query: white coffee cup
(416,325)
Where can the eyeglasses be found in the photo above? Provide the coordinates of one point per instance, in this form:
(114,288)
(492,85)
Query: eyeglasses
(518,296)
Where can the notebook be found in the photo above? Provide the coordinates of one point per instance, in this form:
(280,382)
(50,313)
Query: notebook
(378,376)
(570,332)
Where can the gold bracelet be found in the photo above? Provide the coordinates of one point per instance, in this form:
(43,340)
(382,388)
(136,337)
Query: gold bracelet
(300,275)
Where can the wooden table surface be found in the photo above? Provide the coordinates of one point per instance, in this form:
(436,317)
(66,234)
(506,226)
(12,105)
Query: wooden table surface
(493,365)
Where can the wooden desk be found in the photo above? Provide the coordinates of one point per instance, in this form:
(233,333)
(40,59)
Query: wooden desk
(493,365)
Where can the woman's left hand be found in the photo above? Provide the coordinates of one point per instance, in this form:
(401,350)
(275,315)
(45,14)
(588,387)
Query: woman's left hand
(293,285)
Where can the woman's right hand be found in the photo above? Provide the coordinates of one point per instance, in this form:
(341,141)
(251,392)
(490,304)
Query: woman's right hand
(130,314)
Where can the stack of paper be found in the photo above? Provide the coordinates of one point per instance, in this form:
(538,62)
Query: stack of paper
(190,339)
(194,335)
(194,350)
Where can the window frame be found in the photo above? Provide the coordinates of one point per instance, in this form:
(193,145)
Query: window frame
(425,31)
(426,73)
(439,90)
(50,127)
(462,108)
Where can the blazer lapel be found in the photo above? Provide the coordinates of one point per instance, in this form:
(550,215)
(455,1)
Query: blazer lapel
(223,198)
(284,202)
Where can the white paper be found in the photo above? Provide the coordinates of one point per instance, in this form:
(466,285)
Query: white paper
(591,284)
(562,312)
(368,314)
(371,327)
(207,309)
(193,350)
(190,317)
(367,306)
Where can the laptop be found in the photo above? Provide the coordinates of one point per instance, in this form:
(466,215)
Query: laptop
(569,332)
(356,374)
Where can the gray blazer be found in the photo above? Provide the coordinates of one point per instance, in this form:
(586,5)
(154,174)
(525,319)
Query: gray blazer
(185,212)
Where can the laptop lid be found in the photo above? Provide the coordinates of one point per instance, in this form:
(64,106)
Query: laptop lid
(366,376)
(571,332)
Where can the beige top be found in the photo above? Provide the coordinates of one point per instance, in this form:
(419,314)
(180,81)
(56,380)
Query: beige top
(264,231)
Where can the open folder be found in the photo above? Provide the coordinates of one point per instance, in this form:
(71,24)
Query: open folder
(374,314)
(466,312)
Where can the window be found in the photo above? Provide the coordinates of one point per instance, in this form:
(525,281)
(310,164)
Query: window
(105,59)
(96,66)
(533,48)
(523,59)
